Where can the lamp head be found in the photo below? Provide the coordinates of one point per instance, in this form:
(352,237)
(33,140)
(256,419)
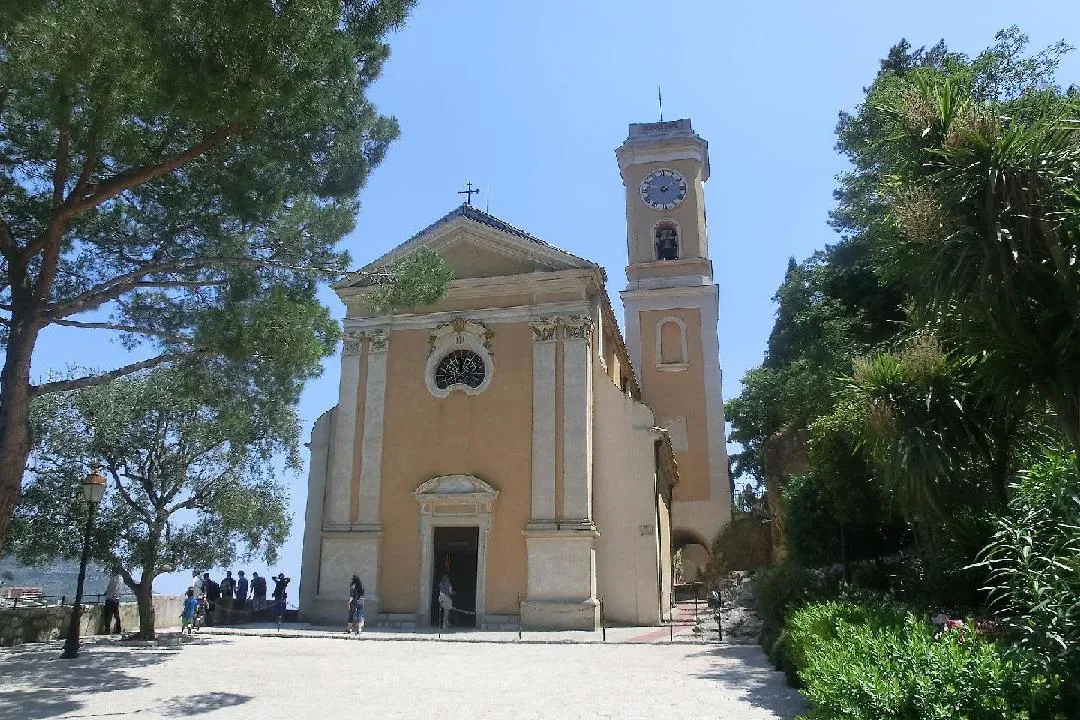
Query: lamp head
(93,487)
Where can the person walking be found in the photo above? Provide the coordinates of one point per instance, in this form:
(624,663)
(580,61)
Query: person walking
(356,606)
(228,589)
(258,595)
(280,584)
(187,617)
(241,595)
(111,607)
(446,599)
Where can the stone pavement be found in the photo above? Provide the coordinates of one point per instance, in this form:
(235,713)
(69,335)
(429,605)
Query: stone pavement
(252,676)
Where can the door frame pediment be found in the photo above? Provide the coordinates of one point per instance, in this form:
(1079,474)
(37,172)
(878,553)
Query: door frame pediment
(452,501)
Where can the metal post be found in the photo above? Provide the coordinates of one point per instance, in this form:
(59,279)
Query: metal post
(71,644)
(603,621)
(519,615)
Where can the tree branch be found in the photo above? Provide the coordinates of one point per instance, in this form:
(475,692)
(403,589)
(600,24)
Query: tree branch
(112,289)
(91,159)
(136,176)
(62,148)
(123,328)
(126,495)
(195,500)
(7,242)
(94,380)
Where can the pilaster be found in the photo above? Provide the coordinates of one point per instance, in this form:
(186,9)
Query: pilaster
(562,580)
(374,411)
(342,448)
(543,426)
(577,402)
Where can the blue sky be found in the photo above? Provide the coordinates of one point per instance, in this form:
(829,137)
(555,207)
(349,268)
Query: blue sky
(528,101)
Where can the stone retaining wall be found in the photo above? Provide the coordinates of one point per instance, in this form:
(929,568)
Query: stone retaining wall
(44,624)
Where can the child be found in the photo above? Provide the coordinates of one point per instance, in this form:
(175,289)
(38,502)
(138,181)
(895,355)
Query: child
(188,616)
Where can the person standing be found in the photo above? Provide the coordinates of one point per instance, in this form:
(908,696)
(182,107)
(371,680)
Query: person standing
(280,593)
(356,606)
(111,607)
(446,599)
(228,589)
(196,583)
(258,595)
(213,594)
(241,595)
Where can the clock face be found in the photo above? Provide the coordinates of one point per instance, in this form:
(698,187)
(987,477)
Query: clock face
(663,189)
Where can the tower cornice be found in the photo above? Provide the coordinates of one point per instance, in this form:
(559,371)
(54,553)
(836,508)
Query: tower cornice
(662,142)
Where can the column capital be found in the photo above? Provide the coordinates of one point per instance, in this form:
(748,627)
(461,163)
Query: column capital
(351,342)
(578,327)
(379,340)
(544,328)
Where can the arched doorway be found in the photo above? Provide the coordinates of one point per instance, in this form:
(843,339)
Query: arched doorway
(693,551)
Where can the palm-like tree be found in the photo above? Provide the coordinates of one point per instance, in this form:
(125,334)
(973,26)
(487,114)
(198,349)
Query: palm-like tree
(987,198)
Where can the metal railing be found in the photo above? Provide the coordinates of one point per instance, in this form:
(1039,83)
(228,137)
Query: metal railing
(37,601)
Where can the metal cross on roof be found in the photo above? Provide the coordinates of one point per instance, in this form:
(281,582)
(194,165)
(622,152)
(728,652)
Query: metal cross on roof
(468,193)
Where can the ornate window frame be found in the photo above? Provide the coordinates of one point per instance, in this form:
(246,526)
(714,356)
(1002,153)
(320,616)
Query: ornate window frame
(675,366)
(453,501)
(459,334)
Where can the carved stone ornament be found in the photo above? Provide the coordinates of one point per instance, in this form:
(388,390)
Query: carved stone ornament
(544,328)
(455,492)
(461,331)
(380,340)
(578,327)
(352,340)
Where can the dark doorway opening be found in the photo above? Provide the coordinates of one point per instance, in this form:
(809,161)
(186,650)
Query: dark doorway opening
(455,555)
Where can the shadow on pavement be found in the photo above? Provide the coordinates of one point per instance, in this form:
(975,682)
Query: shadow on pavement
(36,684)
(202,703)
(747,673)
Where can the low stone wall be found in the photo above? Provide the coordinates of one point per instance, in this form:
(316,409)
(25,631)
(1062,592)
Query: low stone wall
(44,624)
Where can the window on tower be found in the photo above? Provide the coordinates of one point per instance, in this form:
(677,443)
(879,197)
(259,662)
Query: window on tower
(667,241)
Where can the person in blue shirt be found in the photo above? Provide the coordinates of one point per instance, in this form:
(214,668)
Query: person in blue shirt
(191,604)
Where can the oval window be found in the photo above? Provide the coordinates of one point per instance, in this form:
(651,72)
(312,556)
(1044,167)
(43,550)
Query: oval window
(460,367)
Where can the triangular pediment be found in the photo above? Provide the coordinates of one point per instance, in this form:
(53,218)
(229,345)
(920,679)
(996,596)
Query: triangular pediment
(479,245)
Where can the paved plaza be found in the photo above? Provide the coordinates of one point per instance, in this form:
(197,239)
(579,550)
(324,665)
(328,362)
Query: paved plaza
(265,677)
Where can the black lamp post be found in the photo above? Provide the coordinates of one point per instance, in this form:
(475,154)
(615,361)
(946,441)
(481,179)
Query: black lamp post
(93,487)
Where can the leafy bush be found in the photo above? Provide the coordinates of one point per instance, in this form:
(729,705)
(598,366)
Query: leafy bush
(781,588)
(1034,560)
(865,661)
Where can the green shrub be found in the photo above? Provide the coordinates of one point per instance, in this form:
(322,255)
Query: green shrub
(871,661)
(782,588)
(1034,562)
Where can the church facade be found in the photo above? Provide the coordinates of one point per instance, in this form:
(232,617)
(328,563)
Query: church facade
(510,439)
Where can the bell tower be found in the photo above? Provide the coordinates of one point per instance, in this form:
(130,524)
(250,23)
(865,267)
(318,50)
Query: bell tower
(671,307)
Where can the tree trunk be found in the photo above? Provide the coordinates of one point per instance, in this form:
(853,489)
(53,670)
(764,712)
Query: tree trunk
(15,440)
(144,596)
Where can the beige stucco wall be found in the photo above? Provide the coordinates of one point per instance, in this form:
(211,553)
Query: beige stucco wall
(486,435)
(624,487)
(679,394)
(313,517)
(667,580)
